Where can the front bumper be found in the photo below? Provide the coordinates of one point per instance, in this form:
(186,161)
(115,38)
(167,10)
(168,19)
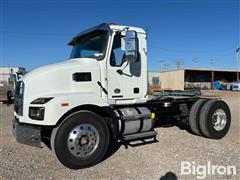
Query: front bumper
(26,134)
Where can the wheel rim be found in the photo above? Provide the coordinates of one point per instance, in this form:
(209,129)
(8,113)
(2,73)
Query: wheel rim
(219,119)
(83,140)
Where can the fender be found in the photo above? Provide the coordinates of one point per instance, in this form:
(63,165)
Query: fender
(61,104)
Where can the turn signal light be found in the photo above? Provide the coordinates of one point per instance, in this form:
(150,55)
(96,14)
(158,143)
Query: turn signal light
(63,104)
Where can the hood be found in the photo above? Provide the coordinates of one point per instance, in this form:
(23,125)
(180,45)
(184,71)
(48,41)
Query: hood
(80,63)
(58,78)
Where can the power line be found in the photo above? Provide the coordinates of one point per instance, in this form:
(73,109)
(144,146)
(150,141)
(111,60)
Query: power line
(72,34)
(133,1)
(37,33)
(192,52)
(179,63)
(212,63)
(195,62)
(161,64)
(165,67)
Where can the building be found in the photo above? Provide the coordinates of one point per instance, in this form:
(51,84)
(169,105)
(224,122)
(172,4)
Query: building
(181,79)
(153,78)
(6,71)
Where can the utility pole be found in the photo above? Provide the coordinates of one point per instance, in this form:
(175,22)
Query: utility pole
(166,66)
(179,63)
(237,61)
(161,64)
(195,62)
(212,63)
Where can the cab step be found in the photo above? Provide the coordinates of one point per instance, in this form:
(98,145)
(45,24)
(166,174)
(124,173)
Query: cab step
(142,135)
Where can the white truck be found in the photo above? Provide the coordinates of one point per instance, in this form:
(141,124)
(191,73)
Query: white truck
(14,77)
(7,89)
(99,96)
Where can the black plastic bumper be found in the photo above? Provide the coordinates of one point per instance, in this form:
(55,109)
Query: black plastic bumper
(26,134)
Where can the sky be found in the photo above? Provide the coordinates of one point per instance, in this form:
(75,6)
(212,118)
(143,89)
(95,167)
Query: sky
(36,32)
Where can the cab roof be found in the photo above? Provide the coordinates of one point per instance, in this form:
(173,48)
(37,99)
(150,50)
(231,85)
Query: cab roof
(105,27)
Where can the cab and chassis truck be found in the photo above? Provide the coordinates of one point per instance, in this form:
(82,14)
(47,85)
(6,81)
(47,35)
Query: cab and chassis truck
(99,96)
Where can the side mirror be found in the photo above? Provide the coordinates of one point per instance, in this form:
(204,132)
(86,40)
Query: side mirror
(131,45)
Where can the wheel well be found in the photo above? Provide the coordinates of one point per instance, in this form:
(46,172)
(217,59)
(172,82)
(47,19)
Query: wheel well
(105,112)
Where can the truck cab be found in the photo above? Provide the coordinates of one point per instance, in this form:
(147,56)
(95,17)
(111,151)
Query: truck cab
(99,95)
(124,81)
(99,68)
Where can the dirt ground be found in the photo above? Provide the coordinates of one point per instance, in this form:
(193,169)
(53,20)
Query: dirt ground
(151,161)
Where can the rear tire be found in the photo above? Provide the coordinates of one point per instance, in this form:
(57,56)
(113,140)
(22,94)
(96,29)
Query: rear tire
(81,140)
(194,116)
(215,119)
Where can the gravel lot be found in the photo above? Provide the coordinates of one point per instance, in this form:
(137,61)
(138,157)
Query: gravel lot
(150,161)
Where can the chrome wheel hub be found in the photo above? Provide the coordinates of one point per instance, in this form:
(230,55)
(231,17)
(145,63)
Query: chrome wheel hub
(219,119)
(83,140)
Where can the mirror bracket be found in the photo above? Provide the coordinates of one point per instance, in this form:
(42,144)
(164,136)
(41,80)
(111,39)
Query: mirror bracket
(119,71)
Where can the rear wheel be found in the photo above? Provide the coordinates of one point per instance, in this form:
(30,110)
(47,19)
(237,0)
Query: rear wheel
(194,116)
(81,140)
(215,119)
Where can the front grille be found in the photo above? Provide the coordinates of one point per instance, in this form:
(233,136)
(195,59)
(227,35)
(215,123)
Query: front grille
(18,98)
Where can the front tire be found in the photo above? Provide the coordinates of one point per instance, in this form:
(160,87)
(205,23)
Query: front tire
(81,140)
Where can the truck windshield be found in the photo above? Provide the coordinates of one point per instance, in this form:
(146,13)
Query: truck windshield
(92,45)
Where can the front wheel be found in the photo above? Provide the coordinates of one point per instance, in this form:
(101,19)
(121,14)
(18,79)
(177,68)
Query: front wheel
(81,140)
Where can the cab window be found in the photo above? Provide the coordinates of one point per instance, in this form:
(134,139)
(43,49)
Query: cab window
(118,51)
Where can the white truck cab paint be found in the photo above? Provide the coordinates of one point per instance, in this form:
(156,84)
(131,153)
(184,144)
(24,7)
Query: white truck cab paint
(56,80)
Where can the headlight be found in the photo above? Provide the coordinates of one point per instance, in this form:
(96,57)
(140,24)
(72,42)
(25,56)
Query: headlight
(36,113)
(41,100)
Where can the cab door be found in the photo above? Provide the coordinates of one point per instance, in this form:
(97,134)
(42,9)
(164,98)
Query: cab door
(124,77)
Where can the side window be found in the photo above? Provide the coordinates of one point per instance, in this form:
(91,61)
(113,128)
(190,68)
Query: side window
(155,81)
(118,52)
